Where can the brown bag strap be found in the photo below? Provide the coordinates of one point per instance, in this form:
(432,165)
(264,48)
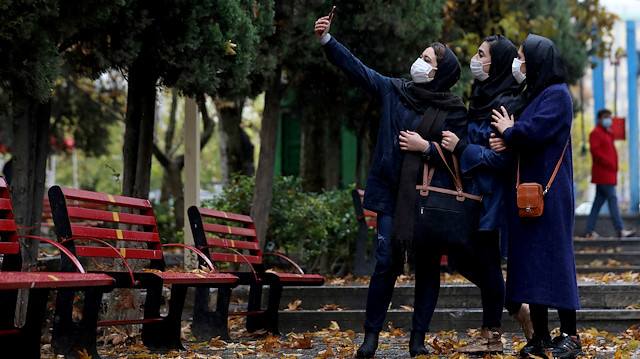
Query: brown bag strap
(427,176)
(553,176)
(455,176)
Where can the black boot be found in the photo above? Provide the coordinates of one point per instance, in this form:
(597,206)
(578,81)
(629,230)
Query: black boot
(369,346)
(416,343)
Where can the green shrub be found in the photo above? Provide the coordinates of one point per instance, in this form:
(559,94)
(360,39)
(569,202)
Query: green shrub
(316,229)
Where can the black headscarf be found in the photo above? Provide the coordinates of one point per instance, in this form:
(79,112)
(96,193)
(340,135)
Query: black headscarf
(545,66)
(501,88)
(436,93)
(435,101)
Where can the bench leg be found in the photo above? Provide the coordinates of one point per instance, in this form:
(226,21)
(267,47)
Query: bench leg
(26,344)
(69,337)
(271,314)
(8,299)
(255,321)
(208,324)
(166,334)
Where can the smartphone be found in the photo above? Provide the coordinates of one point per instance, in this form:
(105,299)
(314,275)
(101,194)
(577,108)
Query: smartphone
(331,12)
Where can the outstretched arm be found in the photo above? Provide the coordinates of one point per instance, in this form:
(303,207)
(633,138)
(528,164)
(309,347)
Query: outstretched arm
(341,57)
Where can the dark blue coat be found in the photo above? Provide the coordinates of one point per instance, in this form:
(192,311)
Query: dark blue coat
(541,262)
(488,171)
(381,190)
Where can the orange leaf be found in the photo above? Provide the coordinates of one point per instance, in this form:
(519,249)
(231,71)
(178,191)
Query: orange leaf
(83,354)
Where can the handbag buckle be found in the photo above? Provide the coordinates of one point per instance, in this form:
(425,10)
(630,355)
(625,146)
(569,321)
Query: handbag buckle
(528,209)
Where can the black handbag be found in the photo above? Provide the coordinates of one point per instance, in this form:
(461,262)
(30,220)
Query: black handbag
(445,219)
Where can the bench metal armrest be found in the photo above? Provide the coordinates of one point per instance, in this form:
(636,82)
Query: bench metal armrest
(115,250)
(62,249)
(285,258)
(194,249)
(242,256)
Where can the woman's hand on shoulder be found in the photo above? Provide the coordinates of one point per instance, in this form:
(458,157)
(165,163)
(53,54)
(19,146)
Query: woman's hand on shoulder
(412,141)
(501,120)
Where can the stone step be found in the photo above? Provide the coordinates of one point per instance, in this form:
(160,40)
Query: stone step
(624,258)
(596,296)
(604,226)
(459,319)
(607,244)
(585,269)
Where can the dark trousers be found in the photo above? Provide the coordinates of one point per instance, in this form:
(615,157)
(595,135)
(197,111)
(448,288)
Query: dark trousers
(384,278)
(605,193)
(481,267)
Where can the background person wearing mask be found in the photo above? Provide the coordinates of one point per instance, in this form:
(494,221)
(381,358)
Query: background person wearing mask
(604,173)
(404,105)
(541,266)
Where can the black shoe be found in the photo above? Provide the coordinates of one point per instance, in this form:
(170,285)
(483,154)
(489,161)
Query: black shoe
(369,346)
(537,346)
(566,347)
(416,343)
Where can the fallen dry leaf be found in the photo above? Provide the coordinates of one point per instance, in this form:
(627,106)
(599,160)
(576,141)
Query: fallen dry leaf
(295,305)
(83,354)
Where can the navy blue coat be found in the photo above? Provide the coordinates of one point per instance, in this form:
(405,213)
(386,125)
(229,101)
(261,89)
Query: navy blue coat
(541,262)
(381,190)
(488,171)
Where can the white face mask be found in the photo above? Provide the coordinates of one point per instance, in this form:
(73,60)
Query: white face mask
(515,70)
(420,71)
(477,69)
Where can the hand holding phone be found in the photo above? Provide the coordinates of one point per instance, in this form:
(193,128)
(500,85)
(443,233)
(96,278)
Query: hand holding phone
(323,24)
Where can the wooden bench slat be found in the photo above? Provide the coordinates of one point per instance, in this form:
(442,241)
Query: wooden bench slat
(115,234)
(8,225)
(197,278)
(5,204)
(106,252)
(9,248)
(228,230)
(231,257)
(76,213)
(293,278)
(213,213)
(105,199)
(230,243)
(52,280)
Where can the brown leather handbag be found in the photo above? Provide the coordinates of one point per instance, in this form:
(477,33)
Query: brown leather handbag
(530,196)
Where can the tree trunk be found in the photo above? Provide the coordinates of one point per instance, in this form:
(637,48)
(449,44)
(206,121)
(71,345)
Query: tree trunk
(231,137)
(174,170)
(30,127)
(168,148)
(30,133)
(137,151)
(312,146)
(138,138)
(263,190)
(333,148)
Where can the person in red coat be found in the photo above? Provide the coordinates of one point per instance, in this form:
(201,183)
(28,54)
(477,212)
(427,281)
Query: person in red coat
(604,174)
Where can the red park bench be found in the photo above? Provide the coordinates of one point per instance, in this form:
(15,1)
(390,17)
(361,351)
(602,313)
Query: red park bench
(368,219)
(131,223)
(24,342)
(230,237)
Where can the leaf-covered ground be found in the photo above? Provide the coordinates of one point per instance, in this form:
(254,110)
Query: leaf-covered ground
(335,343)
(332,342)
